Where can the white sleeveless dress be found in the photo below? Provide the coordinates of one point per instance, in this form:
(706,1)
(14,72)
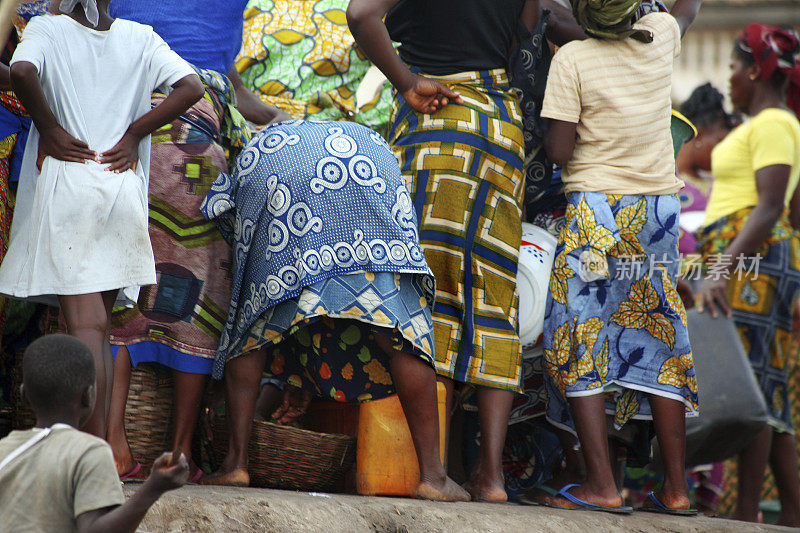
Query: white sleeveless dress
(77,227)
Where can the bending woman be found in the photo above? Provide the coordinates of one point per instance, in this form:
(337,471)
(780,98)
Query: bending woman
(331,290)
(756,172)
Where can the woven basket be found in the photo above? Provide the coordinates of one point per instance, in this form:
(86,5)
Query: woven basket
(49,321)
(149,412)
(286,457)
(22,416)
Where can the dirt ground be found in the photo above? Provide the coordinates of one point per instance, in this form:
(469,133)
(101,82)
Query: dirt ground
(195,508)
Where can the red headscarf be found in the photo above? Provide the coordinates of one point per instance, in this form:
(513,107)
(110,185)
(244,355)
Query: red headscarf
(774,48)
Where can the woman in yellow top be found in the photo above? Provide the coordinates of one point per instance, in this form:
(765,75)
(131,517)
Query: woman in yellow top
(756,171)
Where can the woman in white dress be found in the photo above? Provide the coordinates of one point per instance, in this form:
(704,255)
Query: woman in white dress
(80,233)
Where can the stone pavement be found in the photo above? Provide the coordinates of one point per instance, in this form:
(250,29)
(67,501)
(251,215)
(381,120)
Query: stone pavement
(224,509)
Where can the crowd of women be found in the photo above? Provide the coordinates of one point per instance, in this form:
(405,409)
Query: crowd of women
(374,249)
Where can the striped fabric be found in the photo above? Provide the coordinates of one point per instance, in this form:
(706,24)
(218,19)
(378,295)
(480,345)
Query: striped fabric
(463,167)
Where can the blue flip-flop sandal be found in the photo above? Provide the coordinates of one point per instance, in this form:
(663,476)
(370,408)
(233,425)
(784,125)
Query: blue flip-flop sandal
(659,507)
(588,506)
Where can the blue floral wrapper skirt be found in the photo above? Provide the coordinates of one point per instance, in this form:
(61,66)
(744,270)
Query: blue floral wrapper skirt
(614,322)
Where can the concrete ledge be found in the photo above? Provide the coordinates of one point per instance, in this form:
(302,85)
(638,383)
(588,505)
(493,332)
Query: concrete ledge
(195,508)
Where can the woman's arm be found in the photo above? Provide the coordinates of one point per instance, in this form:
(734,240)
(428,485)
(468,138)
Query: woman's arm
(562,27)
(559,141)
(124,155)
(54,140)
(251,107)
(794,209)
(684,12)
(5,78)
(771,183)
(365,19)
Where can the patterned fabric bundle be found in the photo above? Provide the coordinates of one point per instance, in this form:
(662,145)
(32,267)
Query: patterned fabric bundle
(616,321)
(299,55)
(178,322)
(231,132)
(762,302)
(464,165)
(605,19)
(317,201)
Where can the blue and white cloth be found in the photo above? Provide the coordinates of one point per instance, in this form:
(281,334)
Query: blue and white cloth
(310,201)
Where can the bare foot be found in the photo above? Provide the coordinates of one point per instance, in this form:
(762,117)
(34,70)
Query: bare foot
(125,466)
(491,491)
(238,477)
(539,495)
(487,485)
(670,499)
(123,458)
(448,491)
(606,498)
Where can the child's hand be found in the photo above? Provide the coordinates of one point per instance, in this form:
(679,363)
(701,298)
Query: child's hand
(426,95)
(124,155)
(167,476)
(58,144)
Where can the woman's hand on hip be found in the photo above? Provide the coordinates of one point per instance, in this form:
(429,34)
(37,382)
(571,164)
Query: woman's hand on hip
(124,155)
(425,95)
(58,144)
(713,294)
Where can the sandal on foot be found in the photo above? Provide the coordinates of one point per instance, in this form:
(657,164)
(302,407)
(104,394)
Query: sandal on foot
(524,500)
(588,506)
(133,474)
(659,507)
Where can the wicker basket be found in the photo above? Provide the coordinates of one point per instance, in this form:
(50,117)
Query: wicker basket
(149,412)
(286,457)
(22,416)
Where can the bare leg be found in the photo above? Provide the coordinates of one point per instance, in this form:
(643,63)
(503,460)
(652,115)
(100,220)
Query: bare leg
(268,400)
(116,436)
(574,467)
(599,488)
(783,462)
(188,396)
(242,380)
(670,422)
(87,317)
(415,382)
(752,466)
(109,297)
(494,409)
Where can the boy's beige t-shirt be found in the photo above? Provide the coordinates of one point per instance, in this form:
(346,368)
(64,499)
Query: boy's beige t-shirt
(618,92)
(61,477)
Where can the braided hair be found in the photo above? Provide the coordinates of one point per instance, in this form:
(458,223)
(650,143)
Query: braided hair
(704,108)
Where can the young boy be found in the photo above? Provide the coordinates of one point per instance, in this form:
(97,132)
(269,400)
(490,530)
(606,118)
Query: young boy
(56,478)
